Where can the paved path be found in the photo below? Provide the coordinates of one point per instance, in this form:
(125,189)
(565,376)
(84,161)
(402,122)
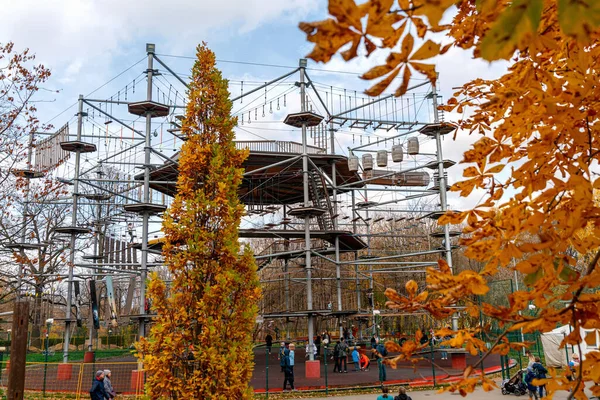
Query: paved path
(432,394)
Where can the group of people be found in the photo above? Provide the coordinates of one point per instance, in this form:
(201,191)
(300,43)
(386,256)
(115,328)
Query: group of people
(401,394)
(535,370)
(102,388)
(286,359)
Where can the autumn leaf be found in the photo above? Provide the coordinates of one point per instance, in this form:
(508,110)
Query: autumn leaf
(432,9)
(328,36)
(346,12)
(578,18)
(378,88)
(427,50)
(522,17)
(411,288)
(405,81)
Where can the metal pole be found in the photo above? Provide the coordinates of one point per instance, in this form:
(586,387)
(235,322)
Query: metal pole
(443,195)
(432,361)
(98,245)
(25,216)
(326,383)
(309,298)
(338,272)
(517,289)
(267,370)
(46,361)
(67,335)
(286,278)
(146,215)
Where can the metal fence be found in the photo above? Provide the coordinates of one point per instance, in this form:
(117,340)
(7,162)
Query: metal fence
(74,380)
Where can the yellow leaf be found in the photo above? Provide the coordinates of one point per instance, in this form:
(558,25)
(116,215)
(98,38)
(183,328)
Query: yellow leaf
(426,69)
(378,71)
(411,288)
(427,50)
(405,80)
(379,87)
(346,12)
(470,172)
(432,9)
(407,47)
(495,170)
(391,40)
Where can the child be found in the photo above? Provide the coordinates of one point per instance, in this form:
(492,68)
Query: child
(573,365)
(402,394)
(385,395)
(356,359)
(540,373)
(533,390)
(364,362)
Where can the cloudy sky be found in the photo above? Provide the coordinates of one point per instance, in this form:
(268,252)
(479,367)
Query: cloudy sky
(88,42)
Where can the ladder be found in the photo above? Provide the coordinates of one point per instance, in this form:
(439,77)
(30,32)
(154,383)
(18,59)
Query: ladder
(320,199)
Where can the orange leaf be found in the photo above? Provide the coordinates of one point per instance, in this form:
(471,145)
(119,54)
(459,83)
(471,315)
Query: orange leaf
(378,88)
(426,69)
(405,80)
(470,172)
(411,287)
(391,40)
(443,265)
(352,51)
(421,27)
(377,72)
(495,170)
(427,50)
(407,47)
(346,12)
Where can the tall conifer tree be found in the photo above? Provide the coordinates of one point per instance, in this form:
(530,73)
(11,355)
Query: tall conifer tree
(200,345)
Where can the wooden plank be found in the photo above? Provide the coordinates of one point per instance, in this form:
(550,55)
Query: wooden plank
(18,351)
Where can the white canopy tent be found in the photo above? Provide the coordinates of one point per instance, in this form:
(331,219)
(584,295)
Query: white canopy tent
(556,356)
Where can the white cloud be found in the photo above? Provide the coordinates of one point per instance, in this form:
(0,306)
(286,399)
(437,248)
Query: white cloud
(81,39)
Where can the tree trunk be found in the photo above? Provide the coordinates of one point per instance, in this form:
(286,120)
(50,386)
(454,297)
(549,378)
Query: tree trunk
(37,320)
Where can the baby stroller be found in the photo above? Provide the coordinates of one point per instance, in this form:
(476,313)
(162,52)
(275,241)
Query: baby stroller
(514,385)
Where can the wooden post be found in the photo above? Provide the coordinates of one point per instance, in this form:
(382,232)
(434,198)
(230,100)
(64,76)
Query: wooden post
(18,351)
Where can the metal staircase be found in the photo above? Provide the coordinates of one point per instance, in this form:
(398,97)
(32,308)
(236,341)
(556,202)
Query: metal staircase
(320,198)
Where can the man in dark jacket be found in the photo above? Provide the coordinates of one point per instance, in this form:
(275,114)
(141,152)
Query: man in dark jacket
(381,352)
(97,391)
(343,355)
(539,372)
(269,342)
(336,358)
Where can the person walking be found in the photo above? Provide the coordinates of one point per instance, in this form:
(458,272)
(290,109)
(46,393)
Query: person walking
(374,342)
(336,358)
(288,370)
(402,394)
(269,342)
(108,387)
(574,365)
(381,353)
(281,356)
(356,359)
(343,355)
(97,391)
(317,343)
(539,372)
(292,357)
(531,388)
